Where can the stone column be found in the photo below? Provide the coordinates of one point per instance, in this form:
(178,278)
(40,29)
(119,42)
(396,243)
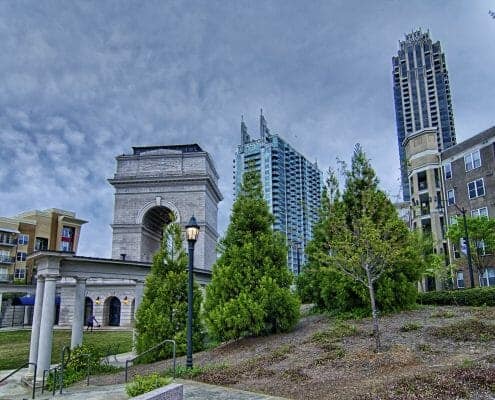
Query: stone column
(46,327)
(138,294)
(35,328)
(78,314)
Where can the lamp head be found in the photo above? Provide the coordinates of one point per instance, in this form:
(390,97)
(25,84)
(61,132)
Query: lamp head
(192,230)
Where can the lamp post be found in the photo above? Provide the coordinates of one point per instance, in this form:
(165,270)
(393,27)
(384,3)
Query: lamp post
(192,232)
(468,245)
(298,247)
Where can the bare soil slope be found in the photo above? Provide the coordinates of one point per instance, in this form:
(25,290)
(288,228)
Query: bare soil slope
(431,353)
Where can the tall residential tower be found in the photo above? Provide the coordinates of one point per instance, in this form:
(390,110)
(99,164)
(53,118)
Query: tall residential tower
(292,187)
(421,94)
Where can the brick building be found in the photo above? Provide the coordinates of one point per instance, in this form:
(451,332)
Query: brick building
(445,184)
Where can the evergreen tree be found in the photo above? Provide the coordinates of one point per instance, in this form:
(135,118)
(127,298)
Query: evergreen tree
(361,251)
(162,313)
(250,289)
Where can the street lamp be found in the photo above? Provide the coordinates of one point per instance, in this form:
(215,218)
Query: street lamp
(468,246)
(298,247)
(192,232)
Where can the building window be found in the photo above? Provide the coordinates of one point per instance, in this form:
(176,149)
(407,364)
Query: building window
(422,182)
(460,279)
(480,212)
(4,274)
(455,251)
(23,239)
(6,238)
(480,247)
(448,170)
(476,188)
(67,232)
(66,246)
(67,238)
(472,160)
(41,244)
(21,256)
(19,273)
(488,277)
(450,197)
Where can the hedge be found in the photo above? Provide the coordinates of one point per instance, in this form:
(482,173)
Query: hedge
(464,297)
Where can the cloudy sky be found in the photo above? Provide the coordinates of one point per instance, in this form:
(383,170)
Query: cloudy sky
(84,81)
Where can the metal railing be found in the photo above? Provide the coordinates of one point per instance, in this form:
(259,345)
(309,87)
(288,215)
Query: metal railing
(149,350)
(21,367)
(58,372)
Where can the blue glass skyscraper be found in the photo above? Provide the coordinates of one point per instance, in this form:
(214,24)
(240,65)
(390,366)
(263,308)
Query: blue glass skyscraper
(421,94)
(292,186)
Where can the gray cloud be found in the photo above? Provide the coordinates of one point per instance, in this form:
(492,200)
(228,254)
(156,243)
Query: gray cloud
(84,81)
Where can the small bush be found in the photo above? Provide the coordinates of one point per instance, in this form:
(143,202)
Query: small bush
(144,384)
(466,330)
(425,347)
(410,326)
(466,297)
(82,359)
(182,371)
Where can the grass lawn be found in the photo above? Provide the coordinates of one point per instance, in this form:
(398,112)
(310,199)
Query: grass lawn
(14,345)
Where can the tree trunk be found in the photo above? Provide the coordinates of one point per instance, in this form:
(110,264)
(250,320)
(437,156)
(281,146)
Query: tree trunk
(374,311)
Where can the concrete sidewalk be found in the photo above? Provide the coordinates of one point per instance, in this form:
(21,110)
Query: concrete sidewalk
(14,390)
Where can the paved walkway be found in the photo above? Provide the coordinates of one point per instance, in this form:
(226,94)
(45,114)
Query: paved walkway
(13,390)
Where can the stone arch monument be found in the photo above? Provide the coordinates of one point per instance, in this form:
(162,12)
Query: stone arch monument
(155,182)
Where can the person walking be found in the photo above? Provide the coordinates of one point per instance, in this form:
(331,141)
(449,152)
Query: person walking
(90,322)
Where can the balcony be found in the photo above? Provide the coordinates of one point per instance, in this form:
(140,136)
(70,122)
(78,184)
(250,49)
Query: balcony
(6,259)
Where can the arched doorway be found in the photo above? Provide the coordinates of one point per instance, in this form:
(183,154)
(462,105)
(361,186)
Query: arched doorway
(88,308)
(152,230)
(113,311)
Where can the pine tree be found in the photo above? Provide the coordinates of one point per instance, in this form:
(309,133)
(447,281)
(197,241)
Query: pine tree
(162,313)
(250,289)
(362,257)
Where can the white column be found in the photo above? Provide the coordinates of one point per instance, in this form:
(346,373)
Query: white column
(138,295)
(78,314)
(46,327)
(35,328)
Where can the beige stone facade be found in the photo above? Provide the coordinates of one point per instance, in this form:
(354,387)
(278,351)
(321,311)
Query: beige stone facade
(425,182)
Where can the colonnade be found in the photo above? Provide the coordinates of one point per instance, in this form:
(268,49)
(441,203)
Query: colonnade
(44,318)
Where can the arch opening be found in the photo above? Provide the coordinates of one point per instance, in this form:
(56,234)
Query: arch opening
(152,230)
(111,311)
(88,308)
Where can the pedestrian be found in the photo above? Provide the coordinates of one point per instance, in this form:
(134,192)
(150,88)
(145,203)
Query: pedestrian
(90,322)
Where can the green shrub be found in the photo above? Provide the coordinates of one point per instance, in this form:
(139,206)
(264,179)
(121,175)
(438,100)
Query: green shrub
(410,326)
(143,384)
(443,314)
(82,359)
(472,330)
(465,297)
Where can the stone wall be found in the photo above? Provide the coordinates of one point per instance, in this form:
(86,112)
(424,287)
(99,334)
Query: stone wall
(174,391)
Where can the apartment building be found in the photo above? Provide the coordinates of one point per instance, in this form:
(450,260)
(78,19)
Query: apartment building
(469,181)
(421,95)
(443,186)
(292,187)
(30,231)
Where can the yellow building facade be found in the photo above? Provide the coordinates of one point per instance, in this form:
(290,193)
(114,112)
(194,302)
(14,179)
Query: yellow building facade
(37,230)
